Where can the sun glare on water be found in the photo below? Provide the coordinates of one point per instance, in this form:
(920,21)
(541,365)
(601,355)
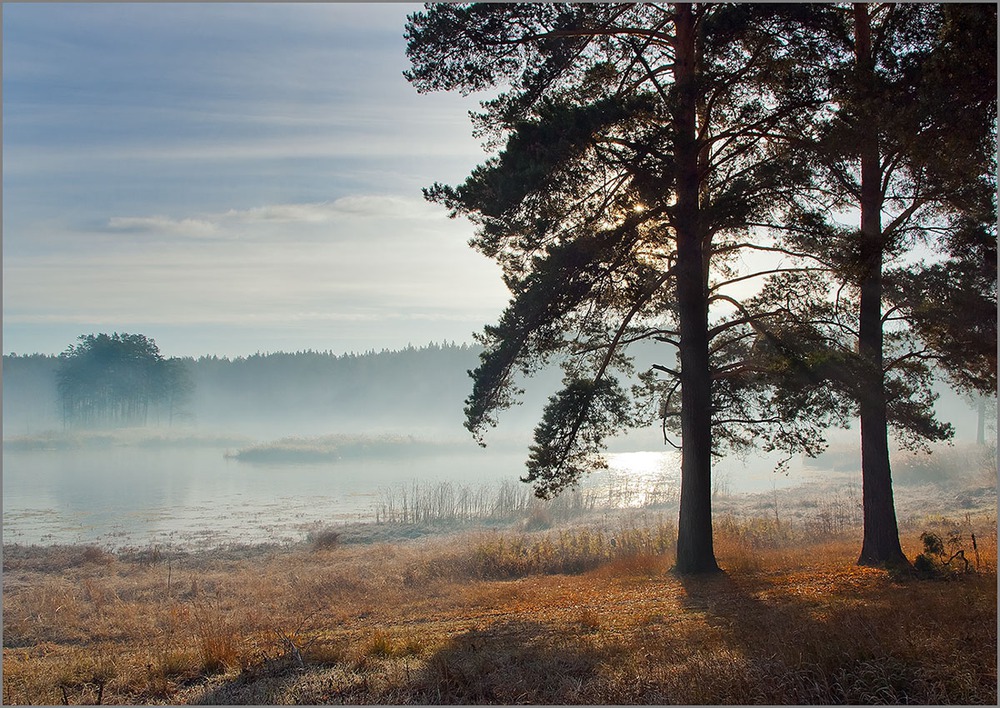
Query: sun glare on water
(635,479)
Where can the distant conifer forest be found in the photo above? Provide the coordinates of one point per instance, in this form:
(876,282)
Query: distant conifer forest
(415,389)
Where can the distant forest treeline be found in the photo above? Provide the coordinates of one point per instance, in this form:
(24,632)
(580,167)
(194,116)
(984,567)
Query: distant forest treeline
(416,389)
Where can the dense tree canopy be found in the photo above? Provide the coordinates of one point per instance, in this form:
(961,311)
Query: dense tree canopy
(114,380)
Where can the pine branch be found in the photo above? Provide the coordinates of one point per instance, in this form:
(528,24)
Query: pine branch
(758,274)
(638,305)
(922,355)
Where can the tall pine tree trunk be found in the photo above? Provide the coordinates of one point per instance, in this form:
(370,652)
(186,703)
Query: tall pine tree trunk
(695,553)
(881,534)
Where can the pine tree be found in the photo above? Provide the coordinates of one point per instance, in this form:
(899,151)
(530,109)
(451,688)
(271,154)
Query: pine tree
(906,138)
(636,151)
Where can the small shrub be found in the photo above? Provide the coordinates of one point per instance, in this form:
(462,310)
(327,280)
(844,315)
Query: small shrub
(933,545)
(928,563)
(324,539)
(924,564)
(932,561)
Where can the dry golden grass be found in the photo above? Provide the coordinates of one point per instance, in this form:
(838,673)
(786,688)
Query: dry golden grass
(569,615)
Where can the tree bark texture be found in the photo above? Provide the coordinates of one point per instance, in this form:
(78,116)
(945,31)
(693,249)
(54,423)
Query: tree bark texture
(881,533)
(695,552)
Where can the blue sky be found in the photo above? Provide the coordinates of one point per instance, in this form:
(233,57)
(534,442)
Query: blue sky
(230,178)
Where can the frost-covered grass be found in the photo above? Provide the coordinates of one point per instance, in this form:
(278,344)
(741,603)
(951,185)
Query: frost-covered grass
(568,615)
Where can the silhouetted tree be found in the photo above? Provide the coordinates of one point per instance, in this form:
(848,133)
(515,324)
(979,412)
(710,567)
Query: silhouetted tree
(637,148)
(907,137)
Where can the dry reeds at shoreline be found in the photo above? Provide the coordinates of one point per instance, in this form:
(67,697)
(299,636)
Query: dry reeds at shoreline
(506,502)
(583,613)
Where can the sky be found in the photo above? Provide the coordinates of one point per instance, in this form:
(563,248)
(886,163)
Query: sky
(230,179)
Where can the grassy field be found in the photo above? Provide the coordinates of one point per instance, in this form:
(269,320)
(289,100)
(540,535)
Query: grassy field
(583,613)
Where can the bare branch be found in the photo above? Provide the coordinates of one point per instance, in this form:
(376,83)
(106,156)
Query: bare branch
(730,342)
(667,414)
(747,421)
(650,73)
(888,313)
(667,340)
(903,217)
(774,249)
(652,35)
(660,367)
(747,318)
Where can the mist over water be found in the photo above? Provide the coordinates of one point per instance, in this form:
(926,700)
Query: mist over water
(177,482)
(197,497)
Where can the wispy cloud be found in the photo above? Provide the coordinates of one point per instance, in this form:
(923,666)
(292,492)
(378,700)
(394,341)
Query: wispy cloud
(263,171)
(351,260)
(162,224)
(368,206)
(228,224)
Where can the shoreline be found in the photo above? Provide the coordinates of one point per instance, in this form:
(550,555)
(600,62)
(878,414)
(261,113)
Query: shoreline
(953,481)
(833,506)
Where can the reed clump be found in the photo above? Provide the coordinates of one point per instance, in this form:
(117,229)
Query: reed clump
(508,501)
(449,503)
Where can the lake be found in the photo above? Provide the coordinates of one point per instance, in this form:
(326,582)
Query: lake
(197,497)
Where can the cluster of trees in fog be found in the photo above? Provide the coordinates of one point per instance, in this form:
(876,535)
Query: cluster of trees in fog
(654,160)
(115,380)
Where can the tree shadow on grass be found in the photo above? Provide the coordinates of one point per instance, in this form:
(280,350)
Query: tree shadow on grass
(742,639)
(507,663)
(265,684)
(517,662)
(792,647)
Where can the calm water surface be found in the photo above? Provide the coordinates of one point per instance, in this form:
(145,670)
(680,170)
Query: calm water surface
(195,496)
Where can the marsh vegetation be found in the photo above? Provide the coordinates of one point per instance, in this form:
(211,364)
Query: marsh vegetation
(579,612)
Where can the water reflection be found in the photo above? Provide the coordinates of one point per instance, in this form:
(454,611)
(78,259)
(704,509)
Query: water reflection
(195,496)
